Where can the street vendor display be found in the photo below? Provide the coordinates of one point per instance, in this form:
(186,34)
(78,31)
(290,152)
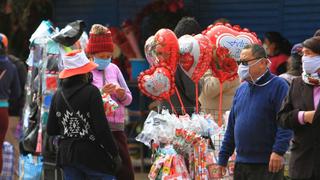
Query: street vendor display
(186,147)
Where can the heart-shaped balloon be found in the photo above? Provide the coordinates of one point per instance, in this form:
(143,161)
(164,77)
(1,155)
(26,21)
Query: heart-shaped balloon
(148,51)
(195,55)
(163,48)
(231,37)
(157,82)
(205,57)
(189,50)
(228,41)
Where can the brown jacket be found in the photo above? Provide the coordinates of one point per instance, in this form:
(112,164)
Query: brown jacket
(210,94)
(305,151)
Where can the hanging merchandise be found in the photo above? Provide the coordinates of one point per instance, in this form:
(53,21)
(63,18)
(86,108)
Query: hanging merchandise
(168,165)
(44,64)
(70,34)
(175,139)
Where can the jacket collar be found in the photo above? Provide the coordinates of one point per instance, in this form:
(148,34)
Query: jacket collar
(267,76)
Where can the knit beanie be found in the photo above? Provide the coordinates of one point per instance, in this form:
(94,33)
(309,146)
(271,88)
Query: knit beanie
(100,40)
(313,44)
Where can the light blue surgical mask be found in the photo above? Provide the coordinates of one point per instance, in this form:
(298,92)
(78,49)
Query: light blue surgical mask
(243,71)
(102,63)
(310,65)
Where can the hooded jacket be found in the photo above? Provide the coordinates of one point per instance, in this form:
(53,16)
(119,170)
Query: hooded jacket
(75,147)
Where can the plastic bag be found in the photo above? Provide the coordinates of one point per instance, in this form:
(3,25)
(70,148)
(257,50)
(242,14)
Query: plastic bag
(30,167)
(146,136)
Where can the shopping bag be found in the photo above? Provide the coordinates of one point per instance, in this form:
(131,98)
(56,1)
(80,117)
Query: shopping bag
(8,161)
(30,167)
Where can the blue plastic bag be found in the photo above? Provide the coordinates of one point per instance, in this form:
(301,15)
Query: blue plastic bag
(30,167)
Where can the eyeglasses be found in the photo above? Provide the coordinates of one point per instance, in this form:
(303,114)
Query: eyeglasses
(245,62)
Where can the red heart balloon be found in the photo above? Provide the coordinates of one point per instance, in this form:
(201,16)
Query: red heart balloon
(195,55)
(157,82)
(228,41)
(231,37)
(163,48)
(205,57)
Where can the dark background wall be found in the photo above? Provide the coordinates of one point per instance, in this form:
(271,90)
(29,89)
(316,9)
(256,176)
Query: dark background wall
(295,19)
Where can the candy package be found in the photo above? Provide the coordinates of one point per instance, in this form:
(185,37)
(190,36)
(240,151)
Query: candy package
(109,104)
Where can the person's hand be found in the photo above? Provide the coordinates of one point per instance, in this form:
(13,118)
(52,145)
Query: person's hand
(276,163)
(222,170)
(109,88)
(308,116)
(120,92)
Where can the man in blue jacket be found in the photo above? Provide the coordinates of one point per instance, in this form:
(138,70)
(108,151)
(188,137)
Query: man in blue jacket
(252,129)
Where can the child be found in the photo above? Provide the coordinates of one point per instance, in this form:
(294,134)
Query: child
(109,79)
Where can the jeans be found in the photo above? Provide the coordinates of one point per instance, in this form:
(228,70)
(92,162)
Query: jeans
(84,173)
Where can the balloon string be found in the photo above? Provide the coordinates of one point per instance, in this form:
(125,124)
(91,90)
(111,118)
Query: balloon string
(197,98)
(172,107)
(180,100)
(220,105)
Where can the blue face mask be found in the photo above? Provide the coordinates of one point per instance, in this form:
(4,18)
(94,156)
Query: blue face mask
(310,65)
(102,63)
(243,72)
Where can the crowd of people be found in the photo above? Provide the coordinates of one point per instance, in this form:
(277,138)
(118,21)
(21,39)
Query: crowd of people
(273,107)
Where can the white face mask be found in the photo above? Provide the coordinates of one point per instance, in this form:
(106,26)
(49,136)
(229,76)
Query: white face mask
(243,70)
(310,65)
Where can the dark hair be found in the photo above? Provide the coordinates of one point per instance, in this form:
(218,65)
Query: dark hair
(71,81)
(295,67)
(257,50)
(317,33)
(313,44)
(221,20)
(187,25)
(282,44)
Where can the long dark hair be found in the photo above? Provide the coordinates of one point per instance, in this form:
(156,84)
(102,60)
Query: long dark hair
(283,46)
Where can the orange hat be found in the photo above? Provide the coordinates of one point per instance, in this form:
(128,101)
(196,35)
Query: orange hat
(75,63)
(4,40)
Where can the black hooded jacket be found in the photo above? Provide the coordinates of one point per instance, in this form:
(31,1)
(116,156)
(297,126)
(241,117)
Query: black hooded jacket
(75,148)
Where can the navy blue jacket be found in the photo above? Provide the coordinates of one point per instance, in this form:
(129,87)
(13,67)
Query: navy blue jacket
(252,128)
(9,79)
